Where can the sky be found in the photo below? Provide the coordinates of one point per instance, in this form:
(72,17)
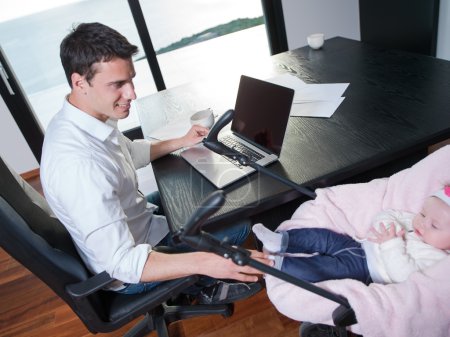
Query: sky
(13,9)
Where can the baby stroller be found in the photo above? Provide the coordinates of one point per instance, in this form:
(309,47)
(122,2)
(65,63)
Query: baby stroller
(419,306)
(197,239)
(192,235)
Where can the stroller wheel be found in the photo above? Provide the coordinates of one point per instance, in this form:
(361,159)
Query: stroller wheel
(308,329)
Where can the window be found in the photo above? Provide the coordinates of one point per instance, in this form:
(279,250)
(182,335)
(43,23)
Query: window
(188,37)
(30,39)
(203,38)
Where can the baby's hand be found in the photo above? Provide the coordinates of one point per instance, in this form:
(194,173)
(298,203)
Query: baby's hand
(385,234)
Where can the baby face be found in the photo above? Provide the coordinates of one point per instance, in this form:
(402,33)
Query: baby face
(432,224)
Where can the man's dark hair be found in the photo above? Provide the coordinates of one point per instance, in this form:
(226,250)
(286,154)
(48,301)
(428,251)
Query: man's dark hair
(89,43)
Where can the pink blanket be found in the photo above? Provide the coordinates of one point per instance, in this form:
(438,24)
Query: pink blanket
(420,306)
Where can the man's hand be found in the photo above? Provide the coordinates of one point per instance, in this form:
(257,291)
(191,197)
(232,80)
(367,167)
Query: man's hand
(221,268)
(385,234)
(195,135)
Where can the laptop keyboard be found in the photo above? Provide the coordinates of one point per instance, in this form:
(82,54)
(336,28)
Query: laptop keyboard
(231,142)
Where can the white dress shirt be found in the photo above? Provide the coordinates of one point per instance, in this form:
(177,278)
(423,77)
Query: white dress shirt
(88,173)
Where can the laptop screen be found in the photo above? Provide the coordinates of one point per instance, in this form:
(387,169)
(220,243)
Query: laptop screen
(262,113)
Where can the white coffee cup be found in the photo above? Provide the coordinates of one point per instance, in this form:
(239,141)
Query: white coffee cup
(203,118)
(315,41)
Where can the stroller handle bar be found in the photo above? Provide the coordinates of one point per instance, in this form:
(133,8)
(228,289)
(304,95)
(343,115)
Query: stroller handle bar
(192,235)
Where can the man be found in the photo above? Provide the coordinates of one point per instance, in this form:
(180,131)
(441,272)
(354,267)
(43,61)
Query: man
(89,178)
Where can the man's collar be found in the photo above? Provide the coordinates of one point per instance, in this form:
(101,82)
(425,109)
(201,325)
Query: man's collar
(91,125)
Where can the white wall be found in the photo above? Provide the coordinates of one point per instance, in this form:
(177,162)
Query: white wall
(341,18)
(13,147)
(443,40)
(331,17)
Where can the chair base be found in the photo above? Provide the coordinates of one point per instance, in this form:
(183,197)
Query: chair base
(159,318)
(147,325)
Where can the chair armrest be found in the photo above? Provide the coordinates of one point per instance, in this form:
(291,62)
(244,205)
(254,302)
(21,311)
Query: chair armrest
(166,250)
(89,286)
(99,281)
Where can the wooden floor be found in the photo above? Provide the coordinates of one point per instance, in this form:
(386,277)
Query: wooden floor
(29,308)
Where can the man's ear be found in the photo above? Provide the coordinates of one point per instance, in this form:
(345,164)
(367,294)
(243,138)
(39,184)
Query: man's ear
(78,82)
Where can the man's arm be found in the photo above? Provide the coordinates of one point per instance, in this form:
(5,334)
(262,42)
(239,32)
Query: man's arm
(192,137)
(160,266)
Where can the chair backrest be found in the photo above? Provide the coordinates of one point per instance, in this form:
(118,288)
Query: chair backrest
(37,240)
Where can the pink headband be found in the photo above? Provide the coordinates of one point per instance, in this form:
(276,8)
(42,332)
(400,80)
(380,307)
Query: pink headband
(444,194)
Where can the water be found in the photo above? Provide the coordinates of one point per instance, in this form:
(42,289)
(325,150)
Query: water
(31,43)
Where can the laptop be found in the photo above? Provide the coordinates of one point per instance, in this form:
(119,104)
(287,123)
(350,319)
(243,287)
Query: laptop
(261,115)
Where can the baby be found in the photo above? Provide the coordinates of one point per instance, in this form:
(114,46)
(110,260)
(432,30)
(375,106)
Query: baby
(400,243)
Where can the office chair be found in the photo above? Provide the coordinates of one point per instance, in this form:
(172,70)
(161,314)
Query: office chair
(41,243)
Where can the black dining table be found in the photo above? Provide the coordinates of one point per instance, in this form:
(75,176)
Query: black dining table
(396,105)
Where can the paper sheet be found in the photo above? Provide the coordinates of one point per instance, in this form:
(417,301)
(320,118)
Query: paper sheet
(316,109)
(320,92)
(312,100)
